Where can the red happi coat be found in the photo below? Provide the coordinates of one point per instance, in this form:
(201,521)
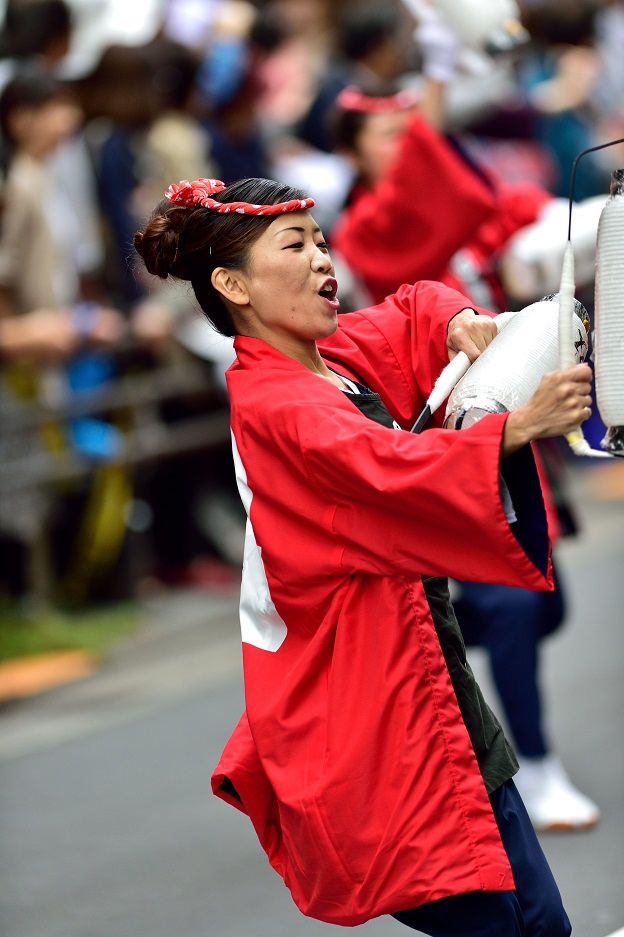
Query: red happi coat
(352,759)
(432,204)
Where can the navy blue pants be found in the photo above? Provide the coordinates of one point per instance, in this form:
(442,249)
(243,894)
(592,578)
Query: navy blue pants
(534,909)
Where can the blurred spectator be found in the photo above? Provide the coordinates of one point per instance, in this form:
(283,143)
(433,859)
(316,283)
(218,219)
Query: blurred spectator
(558,71)
(368,47)
(36,34)
(33,35)
(41,261)
(292,71)
(44,320)
(531,112)
(36,29)
(146,130)
(143,134)
(369,51)
(231,87)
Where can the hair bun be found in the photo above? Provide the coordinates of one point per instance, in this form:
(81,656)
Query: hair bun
(158,244)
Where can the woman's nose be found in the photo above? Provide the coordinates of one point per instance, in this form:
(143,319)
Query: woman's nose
(320,260)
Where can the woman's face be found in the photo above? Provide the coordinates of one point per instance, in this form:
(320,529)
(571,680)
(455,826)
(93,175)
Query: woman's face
(377,143)
(41,130)
(290,284)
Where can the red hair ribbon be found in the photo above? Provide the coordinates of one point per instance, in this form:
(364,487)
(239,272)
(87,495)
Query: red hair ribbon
(201,191)
(352,99)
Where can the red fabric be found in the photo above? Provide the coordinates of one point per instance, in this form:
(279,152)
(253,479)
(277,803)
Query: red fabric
(200,192)
(517,205)
(352,99)
(352,759)
(432,204)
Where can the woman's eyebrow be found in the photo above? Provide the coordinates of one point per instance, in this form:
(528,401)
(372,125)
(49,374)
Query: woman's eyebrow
(300,230)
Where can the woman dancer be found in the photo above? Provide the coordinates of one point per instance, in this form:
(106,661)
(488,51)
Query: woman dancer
(376,777)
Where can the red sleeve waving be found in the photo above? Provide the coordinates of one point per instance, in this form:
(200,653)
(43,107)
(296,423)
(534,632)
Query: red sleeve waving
(429,206)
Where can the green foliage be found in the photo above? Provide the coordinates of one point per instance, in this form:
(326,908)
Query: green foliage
(28,631)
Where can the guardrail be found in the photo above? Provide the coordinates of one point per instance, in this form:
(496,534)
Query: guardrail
(31,473)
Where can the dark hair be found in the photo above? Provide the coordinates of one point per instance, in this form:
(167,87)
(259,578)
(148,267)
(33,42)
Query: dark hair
(556,23)
(188,243)
(30,28)
(364,29)
(133,85)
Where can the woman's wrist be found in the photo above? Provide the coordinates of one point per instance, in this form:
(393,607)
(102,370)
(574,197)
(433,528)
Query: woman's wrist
(517,432)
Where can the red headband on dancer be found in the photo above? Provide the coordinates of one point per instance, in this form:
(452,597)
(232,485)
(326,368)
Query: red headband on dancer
(201,191)
(352,99)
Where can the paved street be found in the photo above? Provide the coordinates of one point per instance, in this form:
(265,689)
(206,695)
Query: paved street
(108,828)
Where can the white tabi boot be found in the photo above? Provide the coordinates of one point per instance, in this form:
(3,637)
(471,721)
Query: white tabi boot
(551,800)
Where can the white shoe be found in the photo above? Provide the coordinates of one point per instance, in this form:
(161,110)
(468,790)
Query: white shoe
(551,800)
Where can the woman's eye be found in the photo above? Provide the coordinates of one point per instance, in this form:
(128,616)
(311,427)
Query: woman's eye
(322,245)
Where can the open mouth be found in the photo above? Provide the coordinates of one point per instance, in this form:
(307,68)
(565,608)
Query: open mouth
(329,289)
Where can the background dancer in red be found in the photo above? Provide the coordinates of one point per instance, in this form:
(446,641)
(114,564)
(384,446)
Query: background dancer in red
(452,217)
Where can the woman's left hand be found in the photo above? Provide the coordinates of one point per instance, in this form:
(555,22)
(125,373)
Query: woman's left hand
(469,333)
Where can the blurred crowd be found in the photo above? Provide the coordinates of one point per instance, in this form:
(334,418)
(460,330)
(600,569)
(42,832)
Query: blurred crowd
(102,106)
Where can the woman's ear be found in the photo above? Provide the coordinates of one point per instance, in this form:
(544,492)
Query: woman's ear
(231,285)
